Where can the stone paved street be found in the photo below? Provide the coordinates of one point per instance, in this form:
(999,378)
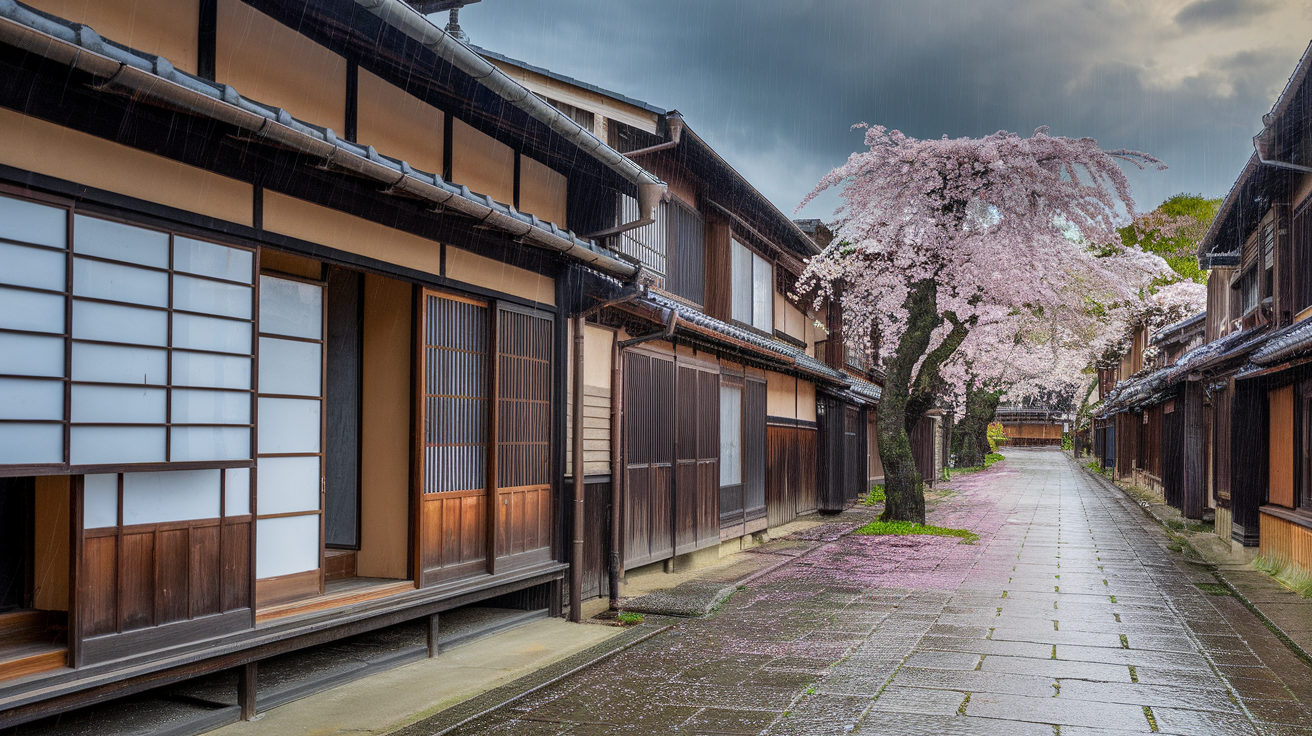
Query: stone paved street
(1069,616)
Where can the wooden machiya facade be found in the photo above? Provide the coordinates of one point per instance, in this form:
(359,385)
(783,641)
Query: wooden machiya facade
(278,369)
(717,403)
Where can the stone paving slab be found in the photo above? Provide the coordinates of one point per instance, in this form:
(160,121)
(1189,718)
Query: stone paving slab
(928,635)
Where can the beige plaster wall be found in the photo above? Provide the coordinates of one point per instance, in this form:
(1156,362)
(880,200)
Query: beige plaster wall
(542,191)
(385,429)
(482,163)
(474,269)
(273,64)
(398,124)
(780,395)
(300,219)
(165,28)
(46,148)
(806,401)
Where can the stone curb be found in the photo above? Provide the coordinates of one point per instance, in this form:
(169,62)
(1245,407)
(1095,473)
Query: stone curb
(1280,634)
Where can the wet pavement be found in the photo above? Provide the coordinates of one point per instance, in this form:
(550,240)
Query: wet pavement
(1069,616)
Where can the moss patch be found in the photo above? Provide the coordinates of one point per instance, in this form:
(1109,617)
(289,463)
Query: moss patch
(1287,574)
(876,495)
(989,460)
(907,528)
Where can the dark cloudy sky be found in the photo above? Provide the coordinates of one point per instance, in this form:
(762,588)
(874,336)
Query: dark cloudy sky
(775,85)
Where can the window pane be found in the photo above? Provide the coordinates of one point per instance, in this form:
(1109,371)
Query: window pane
(288,425)
(113,323)
(193,444)
(731,448)
(31,355)
(211,297)
(210,259)
(118,404)
(114,364)
(97,445)
(30,311)
(120,242)
(100,280)
(288,484)
(100,501)
(210,333)
(762,294)
(289,367)
(741,285)
(191,406)
(211,371)
(33,223)
(39,269)
(237,491)
(291,308)
(286,545)
(31,398)
(180,495)
(22,444)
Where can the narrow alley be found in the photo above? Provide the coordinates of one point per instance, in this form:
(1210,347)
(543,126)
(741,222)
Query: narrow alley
(1070,615)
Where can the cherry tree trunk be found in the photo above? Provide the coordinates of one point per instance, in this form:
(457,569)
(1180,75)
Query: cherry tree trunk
(970,437)
(904,488)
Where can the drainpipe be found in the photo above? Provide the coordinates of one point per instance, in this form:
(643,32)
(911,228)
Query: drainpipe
(1263,143)
(670,324)
(616,470)
(576,561)
(673,131)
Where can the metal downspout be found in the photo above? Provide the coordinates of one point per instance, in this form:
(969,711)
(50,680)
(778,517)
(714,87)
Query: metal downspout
(576,560)
(674,129)
(616,471)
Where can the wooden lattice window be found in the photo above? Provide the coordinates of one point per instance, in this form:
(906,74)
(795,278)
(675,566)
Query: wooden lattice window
(523,399)
(455,394)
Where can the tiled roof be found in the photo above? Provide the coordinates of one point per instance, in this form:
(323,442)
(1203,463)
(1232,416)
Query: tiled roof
(1287,343)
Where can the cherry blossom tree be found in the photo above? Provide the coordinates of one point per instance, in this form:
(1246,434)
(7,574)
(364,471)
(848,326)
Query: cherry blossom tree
(935,238)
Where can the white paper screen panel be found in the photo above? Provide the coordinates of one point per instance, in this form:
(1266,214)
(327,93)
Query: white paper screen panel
(126,444)
(31,311)
(196,406)
(119,364)
(286,545)
(211,371)
(181,495)
(288,426)
(31,398)
(191,331)
(291,308)
(288,484)
(290,367)
(118,404)
(196,444)
(211,297)
(33,223)
(115,323)
(35,267)
(237,491)
(119,242)
(100,501)
(120,283)
(211,259)
(22,444)
(731,444)
(31,355)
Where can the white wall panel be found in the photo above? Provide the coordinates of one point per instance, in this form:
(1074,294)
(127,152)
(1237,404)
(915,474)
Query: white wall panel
(31,398)
(21,444)
(31,355)
(180,495)
(211,371)
(34,267)
(33,223)
(209,333)
(116,364)
(114,323)
(119,404)
(31,311)
(288,484)
(127,444)
(119,283)
(196,444)
(288,425)
(236,491)
(211,297)
(210,259)
(100,501)
(120,242)
(286,545)
(290,367)
(291,308)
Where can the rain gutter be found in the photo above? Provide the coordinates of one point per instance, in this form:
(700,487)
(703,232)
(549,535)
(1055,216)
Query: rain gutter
(417,26)
(154,79)
(1262,144)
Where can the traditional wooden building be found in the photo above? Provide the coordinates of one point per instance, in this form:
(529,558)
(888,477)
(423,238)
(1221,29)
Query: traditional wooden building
(1032,426)
(283,335)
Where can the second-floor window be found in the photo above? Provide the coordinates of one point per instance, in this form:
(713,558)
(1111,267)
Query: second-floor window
(752,288)
(646,243)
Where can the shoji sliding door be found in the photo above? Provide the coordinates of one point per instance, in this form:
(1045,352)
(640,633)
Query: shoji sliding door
(289,441)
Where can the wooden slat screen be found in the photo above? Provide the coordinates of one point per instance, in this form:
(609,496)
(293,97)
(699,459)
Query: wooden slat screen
(1221,441)
(1303,419)
(524,347)
(649,441)
(754,408)
(686,239)
(1280,476)
(455,395)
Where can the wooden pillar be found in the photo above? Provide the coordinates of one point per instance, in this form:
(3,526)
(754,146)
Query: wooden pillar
(1248,459)
(1193,475)
(576,556)
(434,647)
(247,680)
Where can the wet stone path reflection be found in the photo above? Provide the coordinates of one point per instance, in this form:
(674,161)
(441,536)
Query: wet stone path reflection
(1069,616)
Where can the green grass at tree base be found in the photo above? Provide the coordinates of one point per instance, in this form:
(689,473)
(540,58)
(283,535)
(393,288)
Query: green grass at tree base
(909,528)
